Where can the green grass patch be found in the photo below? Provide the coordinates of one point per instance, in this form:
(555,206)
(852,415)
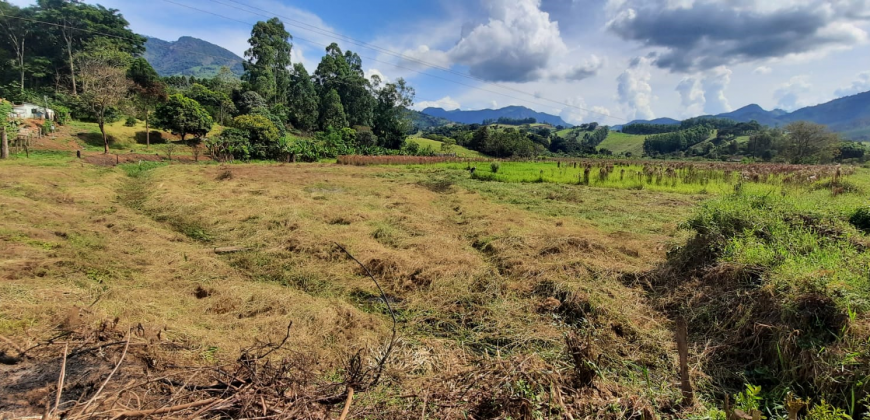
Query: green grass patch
(621,177)
(620,143)
(135,170)
(436,146)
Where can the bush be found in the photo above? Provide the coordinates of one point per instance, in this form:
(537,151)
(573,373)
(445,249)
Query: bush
(861,219)
(494,167)
(130,122)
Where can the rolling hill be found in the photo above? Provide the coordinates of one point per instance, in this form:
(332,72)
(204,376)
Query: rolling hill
(422,121)
(849,116)
(754,112)
(190,56)
(478,116)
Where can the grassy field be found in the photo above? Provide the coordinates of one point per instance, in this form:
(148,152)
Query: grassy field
(616,142)
(620,143)
(127,139)
(513,299)
(436,146)
(699,178)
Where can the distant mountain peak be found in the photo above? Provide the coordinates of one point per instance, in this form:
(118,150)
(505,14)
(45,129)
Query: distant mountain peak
(189,56)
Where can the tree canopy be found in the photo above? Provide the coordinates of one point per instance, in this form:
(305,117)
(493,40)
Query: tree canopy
(184,116)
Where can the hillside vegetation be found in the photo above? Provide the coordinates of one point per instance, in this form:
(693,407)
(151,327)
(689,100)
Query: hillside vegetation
(190,57)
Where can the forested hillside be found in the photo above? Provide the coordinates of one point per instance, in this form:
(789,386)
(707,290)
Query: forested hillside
(480,116)
(190,57)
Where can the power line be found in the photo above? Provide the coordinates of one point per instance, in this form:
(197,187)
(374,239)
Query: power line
(312,43)
(67,27)
(401,67)
(364,44)
(129,39)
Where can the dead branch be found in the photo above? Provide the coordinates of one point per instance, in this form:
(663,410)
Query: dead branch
(386,355)
(164,410)
(230,249)
(347,403)
(112,373)
(61,378)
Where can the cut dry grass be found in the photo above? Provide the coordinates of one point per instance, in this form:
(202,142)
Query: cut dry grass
(483,289)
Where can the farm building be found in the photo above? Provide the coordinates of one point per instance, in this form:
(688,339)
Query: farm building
(29,110)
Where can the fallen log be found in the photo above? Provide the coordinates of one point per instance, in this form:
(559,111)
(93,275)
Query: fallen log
(230,249)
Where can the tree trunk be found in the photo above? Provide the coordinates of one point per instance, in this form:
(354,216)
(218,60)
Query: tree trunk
(4,144)
(147,132)
(21,64)
(72,67)
(102,123)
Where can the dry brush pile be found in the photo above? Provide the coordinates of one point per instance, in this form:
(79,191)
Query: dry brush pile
(362,160)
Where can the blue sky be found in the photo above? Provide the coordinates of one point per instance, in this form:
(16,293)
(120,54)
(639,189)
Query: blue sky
(582,59)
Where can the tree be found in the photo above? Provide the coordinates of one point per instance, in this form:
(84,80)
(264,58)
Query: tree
(18,30)
(103,73)
(217,103)
(266,71)
(391,121)
(331,112)
(303,101)
(148,91)
(249,102)
(68,17)
(343,73)
(5,125)
(184,116)
(807,142)
(479,138)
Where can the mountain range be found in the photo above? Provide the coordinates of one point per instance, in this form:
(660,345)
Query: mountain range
(190,56)
(849,116)
(479,116)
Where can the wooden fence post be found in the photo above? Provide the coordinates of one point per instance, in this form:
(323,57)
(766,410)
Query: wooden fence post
(683,350)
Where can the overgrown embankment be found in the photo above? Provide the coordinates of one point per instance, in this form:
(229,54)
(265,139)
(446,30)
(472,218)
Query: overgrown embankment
(776,293)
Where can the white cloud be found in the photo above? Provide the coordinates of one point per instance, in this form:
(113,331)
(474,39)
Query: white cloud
(763,70)
(634,92)
(692,96)
(859,85)
(576,112)
(791,95)
(573,73)
(518,42)
(715,82)
(423,57)
(515,44)
(446,103)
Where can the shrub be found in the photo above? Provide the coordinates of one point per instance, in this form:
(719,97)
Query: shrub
(861,219)
(130,122)
(261,133)
(494,167)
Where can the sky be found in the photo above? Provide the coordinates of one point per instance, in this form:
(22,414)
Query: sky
(609,61)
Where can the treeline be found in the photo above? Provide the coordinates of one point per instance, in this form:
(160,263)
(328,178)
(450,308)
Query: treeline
(799,142)
(510,121)
(522,142)
(98,74)
(646,129)
(724,125)
(676,141)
